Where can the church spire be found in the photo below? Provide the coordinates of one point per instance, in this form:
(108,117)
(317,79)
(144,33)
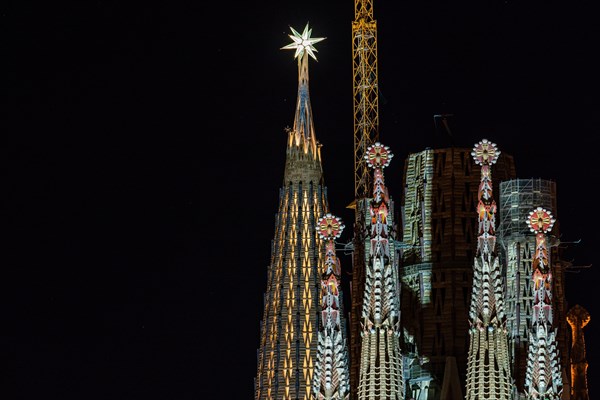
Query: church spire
(303,161)
(542,379)
(381,369)
(289,331)
(488,368)
(331,380)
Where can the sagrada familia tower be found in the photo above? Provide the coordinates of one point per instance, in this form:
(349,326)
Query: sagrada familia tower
(452,296)
(488,365)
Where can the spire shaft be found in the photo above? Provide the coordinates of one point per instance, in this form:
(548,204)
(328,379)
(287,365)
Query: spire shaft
(331,380)
(543,376)
(289,327)
(488,368)
(381,368)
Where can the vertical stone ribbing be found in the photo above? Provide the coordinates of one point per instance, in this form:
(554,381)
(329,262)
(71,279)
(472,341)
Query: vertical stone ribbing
(543,376)
(488,364)
(289,327)
(381,368)
(331,380)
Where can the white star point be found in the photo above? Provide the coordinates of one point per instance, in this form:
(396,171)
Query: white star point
(302,42)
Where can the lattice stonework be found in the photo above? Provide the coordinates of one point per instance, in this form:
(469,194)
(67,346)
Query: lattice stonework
(381,363)
(289,327)
(488,366)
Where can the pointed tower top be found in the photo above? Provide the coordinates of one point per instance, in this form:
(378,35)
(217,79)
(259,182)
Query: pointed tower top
(303,155)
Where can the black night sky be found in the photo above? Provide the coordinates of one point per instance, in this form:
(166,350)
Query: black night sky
(148,149)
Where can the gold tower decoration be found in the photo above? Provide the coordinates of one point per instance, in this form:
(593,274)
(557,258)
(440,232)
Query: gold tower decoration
(578,317)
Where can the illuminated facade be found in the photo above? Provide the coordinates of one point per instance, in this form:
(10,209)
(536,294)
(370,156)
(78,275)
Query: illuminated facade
(381,375)
(488,363)
(290,323)
(436,266)
(543,375)
(474,325)
(331,380)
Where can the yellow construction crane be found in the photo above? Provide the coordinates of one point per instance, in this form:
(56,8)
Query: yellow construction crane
(366,133)
(365,90)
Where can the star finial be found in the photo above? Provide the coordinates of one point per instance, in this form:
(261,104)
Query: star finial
(302,42)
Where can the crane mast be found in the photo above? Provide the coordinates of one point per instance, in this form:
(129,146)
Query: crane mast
(365,90)
(366,133)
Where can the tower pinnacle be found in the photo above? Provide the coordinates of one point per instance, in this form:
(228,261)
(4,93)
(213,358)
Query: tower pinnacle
(543,376)
(381,368)
(331,377)
(302,42)
(291,341)
(303,161)
(488,369)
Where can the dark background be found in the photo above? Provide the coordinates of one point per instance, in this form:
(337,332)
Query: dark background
(148,149)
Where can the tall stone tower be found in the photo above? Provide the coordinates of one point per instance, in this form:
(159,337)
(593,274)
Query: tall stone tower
(543,378)
(332,377)
(290,322)
(488,365)
(381,363)
(517,246)
(436,266)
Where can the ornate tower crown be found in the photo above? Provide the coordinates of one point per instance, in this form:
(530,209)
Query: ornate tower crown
(540,220)
(303,163)
(485,153)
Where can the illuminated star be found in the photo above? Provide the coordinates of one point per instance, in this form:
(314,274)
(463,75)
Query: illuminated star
(302,42)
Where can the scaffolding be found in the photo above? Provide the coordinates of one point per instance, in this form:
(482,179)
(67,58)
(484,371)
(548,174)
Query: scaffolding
(517,198)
